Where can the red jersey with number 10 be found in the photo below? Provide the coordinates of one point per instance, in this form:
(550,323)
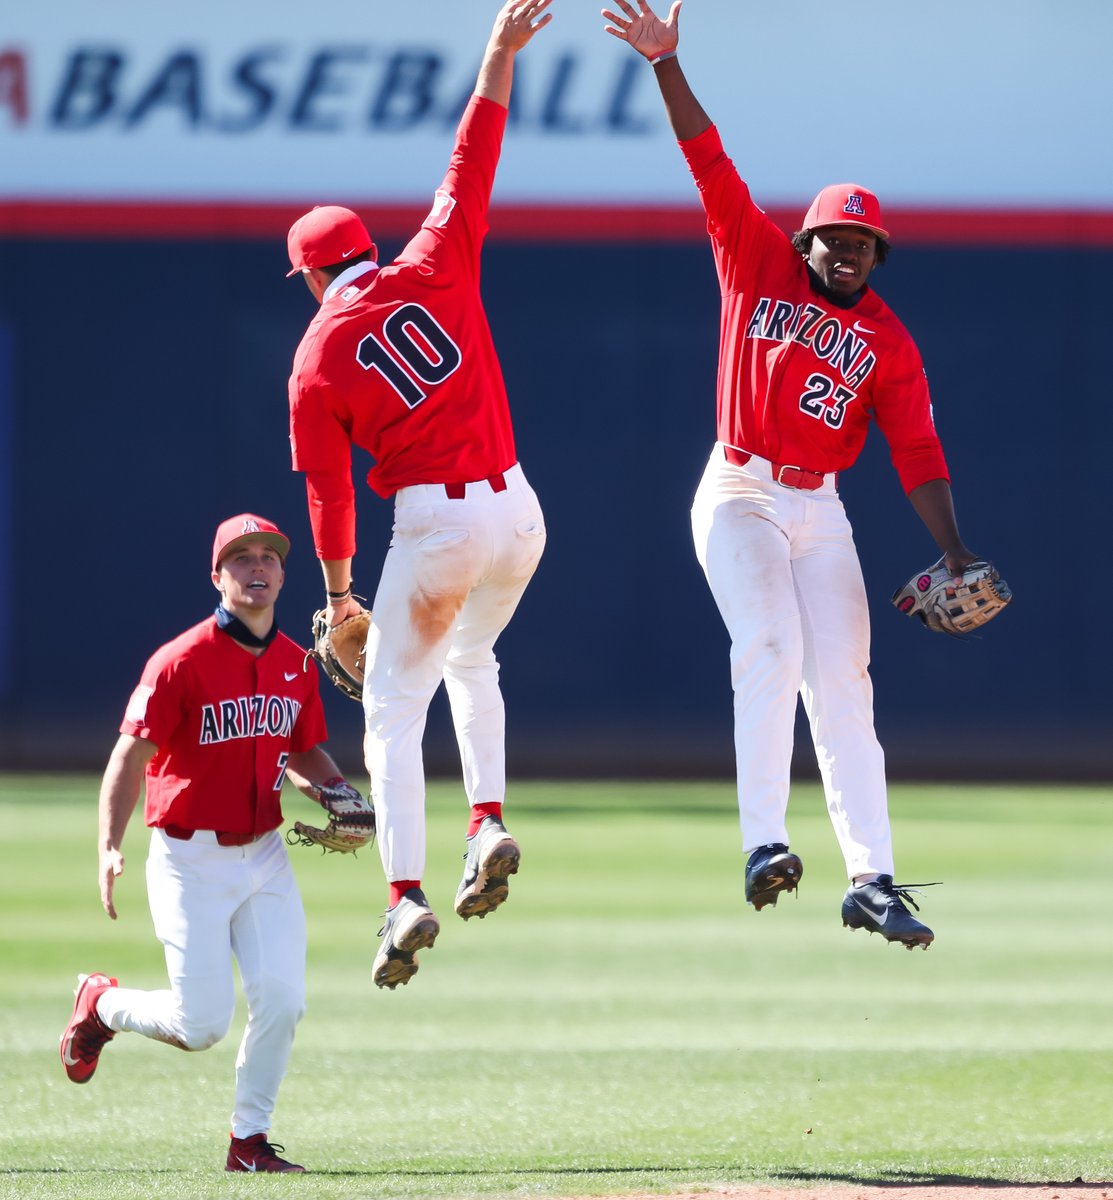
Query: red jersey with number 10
(401,361)
(800,377)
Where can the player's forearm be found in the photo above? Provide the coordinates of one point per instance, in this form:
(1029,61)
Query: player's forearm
(337,574)
(496,75)
(120,788)
(306,769)
(935,507)
(686,114)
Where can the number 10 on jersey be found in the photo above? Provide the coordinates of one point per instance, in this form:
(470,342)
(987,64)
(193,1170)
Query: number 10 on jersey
(411,338)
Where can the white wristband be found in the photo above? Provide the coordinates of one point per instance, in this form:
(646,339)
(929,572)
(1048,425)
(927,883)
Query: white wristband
(662,57)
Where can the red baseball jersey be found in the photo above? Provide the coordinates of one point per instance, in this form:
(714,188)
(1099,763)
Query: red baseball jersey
(800,377)
(401,361)
(224,723)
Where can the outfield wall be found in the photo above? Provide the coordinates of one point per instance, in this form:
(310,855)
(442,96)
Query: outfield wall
(143,385)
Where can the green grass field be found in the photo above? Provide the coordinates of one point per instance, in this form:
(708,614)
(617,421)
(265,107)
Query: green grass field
(624,1024)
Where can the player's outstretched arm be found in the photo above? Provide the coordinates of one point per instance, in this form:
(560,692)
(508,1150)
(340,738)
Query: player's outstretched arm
(651,37)
(517,22)
(119,794)
(935,507)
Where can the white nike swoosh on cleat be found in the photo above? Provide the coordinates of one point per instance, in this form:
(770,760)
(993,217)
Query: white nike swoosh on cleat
(246,1165)
(870,913)
(70,1062)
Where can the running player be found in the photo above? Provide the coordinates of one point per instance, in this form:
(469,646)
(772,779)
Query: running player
(808,355)
(399,361)
(221,715)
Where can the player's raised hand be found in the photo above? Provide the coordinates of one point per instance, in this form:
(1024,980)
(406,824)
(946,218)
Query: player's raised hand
(518,21)
(643,29)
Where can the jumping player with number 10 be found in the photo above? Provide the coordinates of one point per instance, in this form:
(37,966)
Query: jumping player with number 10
(399,361)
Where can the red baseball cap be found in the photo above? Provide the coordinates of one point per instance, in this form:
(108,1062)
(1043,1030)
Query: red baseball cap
(846,204)
(326,235)
(247,527)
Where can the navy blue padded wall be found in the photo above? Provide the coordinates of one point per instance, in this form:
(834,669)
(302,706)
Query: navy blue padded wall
(148,401)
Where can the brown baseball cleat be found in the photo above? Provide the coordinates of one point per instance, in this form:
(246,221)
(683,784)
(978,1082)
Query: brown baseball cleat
(492,856)
(411,925)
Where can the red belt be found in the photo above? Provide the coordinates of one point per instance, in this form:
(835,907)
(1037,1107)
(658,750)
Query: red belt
(793,477)
(457,491)
(223,839)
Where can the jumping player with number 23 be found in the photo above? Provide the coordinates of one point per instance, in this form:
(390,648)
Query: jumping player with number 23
(809,355)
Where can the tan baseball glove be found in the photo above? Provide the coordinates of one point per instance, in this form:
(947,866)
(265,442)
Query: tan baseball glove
(341,650)
(955,608)
(351,824)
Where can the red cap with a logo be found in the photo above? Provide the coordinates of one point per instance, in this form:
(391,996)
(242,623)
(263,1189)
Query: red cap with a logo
(247,527)
(846,204)
(326,235)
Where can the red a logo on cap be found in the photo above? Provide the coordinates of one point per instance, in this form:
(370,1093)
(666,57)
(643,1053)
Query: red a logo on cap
(854,205)
(251,526)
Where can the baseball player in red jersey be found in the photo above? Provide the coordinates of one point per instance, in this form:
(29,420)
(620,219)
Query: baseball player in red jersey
(221,716)
(399,361)
(809,355)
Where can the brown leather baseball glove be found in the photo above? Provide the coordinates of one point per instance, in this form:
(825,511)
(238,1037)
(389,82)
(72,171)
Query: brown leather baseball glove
(351,824)
(955,608)
(341,650)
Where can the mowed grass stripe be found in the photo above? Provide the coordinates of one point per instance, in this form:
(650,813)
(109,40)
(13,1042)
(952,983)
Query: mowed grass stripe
(625,1023)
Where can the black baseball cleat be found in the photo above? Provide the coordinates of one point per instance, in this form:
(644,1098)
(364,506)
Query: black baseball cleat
(769,870)
(879,906)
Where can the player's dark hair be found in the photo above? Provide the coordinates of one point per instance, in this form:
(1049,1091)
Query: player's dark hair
(802,241)
(334,269)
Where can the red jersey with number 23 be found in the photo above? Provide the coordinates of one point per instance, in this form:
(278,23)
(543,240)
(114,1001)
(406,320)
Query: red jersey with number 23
(401,361)
(800,377)
(225,722)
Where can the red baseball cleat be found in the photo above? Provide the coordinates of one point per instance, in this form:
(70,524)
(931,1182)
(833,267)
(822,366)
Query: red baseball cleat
(86,1035)
(255,1153)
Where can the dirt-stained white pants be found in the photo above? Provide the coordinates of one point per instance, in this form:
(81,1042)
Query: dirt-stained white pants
(784,572)
(210,903)
(451,580)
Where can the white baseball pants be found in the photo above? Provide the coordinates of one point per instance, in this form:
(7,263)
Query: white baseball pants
(211,903)
(784,572)
(451,581)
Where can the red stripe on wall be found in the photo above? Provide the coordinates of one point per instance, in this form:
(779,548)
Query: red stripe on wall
(55,219)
